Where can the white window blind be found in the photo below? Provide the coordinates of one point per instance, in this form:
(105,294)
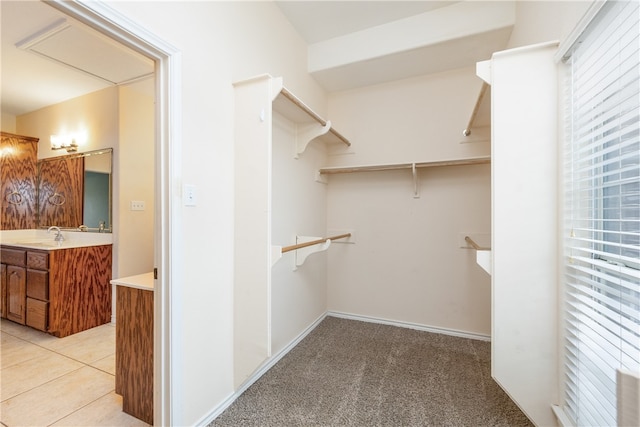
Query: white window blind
(602,213)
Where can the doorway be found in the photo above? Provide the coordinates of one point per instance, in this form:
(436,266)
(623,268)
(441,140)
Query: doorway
(122,30)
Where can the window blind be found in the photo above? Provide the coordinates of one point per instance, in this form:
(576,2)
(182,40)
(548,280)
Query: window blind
(602,213)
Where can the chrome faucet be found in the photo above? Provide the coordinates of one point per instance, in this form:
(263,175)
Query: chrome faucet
(59,237)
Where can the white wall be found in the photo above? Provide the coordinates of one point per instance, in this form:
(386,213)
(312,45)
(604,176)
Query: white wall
(525,228)
(220,43)
(299,297)
(407,264)
(542,21)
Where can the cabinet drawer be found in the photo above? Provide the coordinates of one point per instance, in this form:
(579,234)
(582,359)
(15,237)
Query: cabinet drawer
(13,257)
(38,260)
(37,314)
(38,284)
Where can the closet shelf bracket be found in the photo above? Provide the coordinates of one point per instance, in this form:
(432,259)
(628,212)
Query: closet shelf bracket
(305,246)
(307,133)
(309,124)
(303,253)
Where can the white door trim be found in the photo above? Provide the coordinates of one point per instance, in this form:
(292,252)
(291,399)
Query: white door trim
(168,155)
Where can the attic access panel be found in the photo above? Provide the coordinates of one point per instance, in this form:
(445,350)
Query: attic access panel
(88,51)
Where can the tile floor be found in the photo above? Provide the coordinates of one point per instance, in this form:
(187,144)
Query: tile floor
(49,381)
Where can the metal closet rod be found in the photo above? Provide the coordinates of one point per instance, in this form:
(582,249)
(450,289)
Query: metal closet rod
(314,242)
(472,119)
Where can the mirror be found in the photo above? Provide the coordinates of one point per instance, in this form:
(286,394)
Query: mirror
(75,191)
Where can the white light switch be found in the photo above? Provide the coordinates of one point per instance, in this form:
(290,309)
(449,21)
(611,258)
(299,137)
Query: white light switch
(137,205)
(189,195)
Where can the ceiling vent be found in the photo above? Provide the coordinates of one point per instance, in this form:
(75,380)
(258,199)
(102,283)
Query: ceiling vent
(88,52)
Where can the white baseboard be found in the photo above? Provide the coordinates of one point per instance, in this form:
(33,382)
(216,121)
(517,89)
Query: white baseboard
(268,364)
(416,326)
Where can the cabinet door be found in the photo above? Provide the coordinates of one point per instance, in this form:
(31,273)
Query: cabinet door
(18,170)
(3,290)
(16,293)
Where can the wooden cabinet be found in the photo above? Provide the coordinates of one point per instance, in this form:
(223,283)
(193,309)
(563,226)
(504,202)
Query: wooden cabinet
(18,171)
(61,192)
(38,290)
(14,262)
(134,350)
(62,291)
(25,287)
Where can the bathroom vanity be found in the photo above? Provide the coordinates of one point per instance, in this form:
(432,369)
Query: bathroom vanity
(134,344)
(61,288)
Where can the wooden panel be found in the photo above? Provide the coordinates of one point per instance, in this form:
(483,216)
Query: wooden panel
(61,189)
(18,172)
(37,313)
(38,284)
(16,293)
(3,290)
(13,257)
(38,260)
(79,289)
(134,351)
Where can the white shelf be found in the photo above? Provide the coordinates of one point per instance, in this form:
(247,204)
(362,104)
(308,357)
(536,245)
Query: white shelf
(399,166)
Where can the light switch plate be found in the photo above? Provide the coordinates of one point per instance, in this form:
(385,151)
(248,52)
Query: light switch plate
(189,195)
(137,205)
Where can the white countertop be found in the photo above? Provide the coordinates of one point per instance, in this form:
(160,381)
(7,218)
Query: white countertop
(140,281)
(43,240)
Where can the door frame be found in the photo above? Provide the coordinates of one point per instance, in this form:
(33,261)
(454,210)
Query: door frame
(168,150)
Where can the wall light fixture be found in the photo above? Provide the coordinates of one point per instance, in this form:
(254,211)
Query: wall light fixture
(67,142)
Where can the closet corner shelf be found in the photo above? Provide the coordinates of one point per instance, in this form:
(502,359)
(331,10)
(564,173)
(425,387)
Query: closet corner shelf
(398,166)
(309,124)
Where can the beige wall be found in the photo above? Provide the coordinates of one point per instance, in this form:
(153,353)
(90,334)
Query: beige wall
(134,178)
(8,123)
(122,119)
(407,265)
(95,115)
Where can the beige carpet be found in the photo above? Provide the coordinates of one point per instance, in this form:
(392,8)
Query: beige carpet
(350,373)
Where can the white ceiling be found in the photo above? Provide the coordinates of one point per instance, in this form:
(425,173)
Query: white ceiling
(31,81)
(322,20)
(32,33)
